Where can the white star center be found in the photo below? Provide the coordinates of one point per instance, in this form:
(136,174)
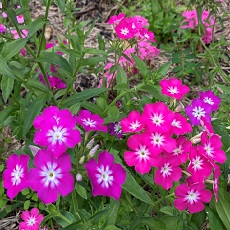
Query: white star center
(17,174)
(104,176)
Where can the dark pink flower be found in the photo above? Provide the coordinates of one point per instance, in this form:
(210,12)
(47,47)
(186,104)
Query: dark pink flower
(167,172)
(106,176)
(32,220)
(211,99)
(141,21)
(140,156)
(2,28)
(55,130)
(217,173)
(192,197)
(124,29)
(51,176)
(180,125)
(173,88)
(115,129)
(15,175)
(133,123)
(157,117)
(115,19)
(207,127)
(90,122)
(148,35)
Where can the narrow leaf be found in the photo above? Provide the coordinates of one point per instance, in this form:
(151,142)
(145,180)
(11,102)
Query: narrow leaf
(112,212)
(4,68)
(140,65)
(7,85)
(35,26)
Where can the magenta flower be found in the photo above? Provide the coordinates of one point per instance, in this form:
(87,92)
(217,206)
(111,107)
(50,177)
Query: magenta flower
(199,166)
(217,173)
(148,35)
(115,19)
(167,172)
(133,123)
(55,130)
(173,88)
(115,129)
(140,156)
(51,176)
(32,220)
(207,127)
(124,29)
(211,148)
(15,175)
(90,122)
(211,99)
(157,117)
(191,197)
(180,125)
(106,176)
(197,110)
(2,28)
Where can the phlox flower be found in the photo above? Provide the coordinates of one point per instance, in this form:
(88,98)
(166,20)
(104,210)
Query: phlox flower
(90,122)
(199,166)
(173,88)
(55,130)
(132,123)
(167,172)
(197,110)
(24,33)
(146,34)
(192,197)
(207,37)
(20,18)
(211,148)
(106,176)
(180,125)
(206,19)
(55,82)
(217,173)
(157,117)
(32,220)
(51,176)
(211,99)
(191,20)
(140,156)
(115,19)
(206,126)
(140,21)
(125,30)
(15,175)
(115,129)
(2,28)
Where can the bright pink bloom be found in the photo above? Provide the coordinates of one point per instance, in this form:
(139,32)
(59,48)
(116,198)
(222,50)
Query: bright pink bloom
(115,19)
(2,28)
(197,110)
(199,166)
(90,122)
(173,88)
(211,148)
(191,20)
(20,18)
(32,220)
(24,33)
(15,175)
(167,172)
(207,127)
(192,197)
(124,29)
(207,37)
(180,125)
(140,156)
(139,21)
(51,176)
(55,130)
(211,99)
(133,123)
(106,176)
(217,173)
(157,117)
(148,35)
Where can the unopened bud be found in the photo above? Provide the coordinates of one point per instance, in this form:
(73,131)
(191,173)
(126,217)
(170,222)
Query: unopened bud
(78,177)
(179,107)
(196,139)
(82,159)
(90,144)
(93,150)
(34,149)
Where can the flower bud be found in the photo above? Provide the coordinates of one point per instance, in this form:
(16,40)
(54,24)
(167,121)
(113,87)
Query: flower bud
(34,149)
(90,144)
(78,177)
(82,159)
(93,150)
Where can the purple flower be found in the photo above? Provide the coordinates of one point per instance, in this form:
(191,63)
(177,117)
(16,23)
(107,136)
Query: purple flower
(115,129)
(106,176)
(90,122)
(51,176)
(2,28)
(197,110)
(16,174)
(210,98)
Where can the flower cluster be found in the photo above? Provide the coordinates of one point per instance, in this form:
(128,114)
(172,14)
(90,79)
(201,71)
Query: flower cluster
(191,21)
(159,140)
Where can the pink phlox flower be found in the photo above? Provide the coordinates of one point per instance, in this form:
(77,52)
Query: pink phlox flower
(24,33)
(167,172)
(106,176)
(140,156)
(207,37)
(197,110)
(211,148)
(32,220)
(115,129)
(90,122)
(20,18)
(133,123)
(125,30)
(191,20)
(207,127)
(182,149)
(211,99)
(217,173)
(55,130)
(192,197)
(51,176)
(173,88)
(23,51)
(146,34)
(147,51)
(115,19)
(157,117)
(15,175)
(180,125)
(2,28)
(207,20)
(199,166)
(140,21)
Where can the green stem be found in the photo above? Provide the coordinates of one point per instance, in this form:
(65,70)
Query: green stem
(74,199)
(64,218)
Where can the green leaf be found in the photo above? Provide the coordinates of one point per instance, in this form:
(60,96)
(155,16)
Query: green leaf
(7,85)
(33,110)
(214,220)
(63,222)
(84,95)
(113,113)
(8,111)
(199,218)
(162,70)
(153,223)
(112,212)
(92,61)
(111,227)
(121,77)
(92,107)
(168,210)
(35,26)
(26,204)
(81,191)
(170,222)
(11,14)
(95,51)
(4,68)
(12,48)
(141,65)
(61,5)
(36,84)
